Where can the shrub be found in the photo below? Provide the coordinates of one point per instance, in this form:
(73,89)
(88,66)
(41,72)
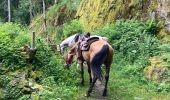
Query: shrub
(72,27)
(133,39)
(46,62)
(12,37)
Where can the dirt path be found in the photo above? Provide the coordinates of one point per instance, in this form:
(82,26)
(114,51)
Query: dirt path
(98,91)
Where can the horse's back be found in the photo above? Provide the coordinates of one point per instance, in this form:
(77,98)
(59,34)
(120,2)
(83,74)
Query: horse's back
(96,46)
(101,47)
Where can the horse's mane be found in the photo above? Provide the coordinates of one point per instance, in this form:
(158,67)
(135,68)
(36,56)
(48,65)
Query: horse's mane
(76,38)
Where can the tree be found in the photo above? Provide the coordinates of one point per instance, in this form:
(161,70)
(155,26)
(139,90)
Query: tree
(30,8)
(9,10)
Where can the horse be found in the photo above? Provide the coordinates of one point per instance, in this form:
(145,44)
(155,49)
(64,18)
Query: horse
(70,41)
(100,52)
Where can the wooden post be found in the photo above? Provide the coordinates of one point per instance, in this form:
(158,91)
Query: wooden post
(33,40)
(9,11)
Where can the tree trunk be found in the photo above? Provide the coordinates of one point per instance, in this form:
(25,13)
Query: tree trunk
(30,8)
(55,1)
(45,26)
(9,11)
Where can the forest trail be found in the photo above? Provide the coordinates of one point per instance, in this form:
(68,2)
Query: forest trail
(97,92)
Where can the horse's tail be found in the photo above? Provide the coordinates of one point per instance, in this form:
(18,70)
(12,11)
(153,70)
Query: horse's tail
(98,60)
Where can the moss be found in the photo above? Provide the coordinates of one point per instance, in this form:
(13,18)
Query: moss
(158,69)
(2,94)
(166,38)
(97,13)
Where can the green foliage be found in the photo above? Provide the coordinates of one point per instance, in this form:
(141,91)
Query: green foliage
(55,91)
(21,14)
(46,61)
(13,92)
(72,27)
(12,37)
(57,15)
(134,43)
(4,80)
(133,39)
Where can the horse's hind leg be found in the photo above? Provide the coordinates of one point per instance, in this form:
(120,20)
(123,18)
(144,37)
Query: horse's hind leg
(107,64)
(107,79)
(91,86)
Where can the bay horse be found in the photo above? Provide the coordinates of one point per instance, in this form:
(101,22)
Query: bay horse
(100,52)
(70,41)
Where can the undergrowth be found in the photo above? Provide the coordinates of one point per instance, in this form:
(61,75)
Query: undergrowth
(47,68)
(134,43)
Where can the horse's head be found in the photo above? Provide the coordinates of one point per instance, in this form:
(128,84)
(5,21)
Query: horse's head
(69,59)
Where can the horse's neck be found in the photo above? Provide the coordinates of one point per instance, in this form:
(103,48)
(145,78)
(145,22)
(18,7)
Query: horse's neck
(69,41)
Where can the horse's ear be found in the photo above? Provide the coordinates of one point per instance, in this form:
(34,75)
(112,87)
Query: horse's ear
(77,37)
(88,34)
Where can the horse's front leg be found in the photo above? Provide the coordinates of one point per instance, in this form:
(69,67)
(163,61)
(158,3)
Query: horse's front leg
(82,73)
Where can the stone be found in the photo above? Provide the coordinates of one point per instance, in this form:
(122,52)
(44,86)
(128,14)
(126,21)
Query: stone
(158,70)
(97,13)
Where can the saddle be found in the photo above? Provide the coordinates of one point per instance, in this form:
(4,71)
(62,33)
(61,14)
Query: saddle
(85,45)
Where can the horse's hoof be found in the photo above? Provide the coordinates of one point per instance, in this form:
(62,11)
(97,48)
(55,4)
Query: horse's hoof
(87,95)
(104,94)
(67,66)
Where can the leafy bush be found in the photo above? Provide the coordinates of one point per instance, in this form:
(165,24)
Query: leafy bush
(134,42)
(46,61)
(72,27)
(133,39)
(12,37)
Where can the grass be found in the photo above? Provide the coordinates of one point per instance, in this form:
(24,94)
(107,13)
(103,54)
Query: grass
(122,87)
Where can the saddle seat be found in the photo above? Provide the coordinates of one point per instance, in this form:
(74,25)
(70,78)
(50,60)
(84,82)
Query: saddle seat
(85,45)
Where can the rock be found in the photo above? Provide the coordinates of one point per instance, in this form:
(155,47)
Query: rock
(3,69)
(34,86)
(20,79)
(26,90)
(157,70)
(167,25)
(37,87)
(96,13)
(35,75)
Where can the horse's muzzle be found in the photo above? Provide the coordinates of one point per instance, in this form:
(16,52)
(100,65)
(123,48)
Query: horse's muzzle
(67,65)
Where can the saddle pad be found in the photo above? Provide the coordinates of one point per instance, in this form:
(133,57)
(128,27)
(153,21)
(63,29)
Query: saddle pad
(86,45)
